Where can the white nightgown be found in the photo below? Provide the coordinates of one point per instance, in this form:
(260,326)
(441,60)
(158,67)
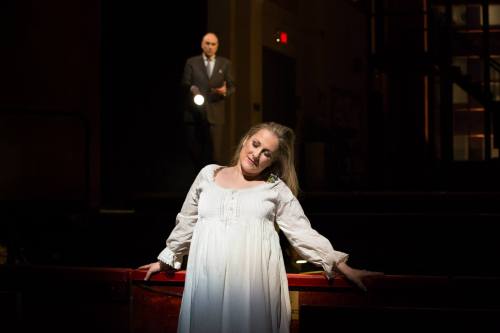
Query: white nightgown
(235,278)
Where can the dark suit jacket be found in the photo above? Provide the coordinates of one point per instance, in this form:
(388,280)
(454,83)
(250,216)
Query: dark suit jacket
(195,74)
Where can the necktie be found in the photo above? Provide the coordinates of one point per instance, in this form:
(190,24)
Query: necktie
(210,67)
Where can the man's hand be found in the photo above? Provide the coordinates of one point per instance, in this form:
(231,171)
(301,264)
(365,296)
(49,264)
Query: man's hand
(221,90)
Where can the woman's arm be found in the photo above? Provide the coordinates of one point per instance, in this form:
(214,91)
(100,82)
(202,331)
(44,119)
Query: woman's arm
(179,240)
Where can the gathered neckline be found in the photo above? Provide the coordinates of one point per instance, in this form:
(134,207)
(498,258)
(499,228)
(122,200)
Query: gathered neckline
(220,167)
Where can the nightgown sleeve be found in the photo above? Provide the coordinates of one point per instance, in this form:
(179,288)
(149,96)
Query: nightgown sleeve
(180,238)
(308,243)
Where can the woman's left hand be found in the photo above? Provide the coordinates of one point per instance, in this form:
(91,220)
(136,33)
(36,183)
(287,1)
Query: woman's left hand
(357,276)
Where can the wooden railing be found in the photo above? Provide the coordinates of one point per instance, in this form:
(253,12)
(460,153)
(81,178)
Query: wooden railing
(119,300)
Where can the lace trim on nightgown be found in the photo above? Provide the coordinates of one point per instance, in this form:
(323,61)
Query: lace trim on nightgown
(168,257)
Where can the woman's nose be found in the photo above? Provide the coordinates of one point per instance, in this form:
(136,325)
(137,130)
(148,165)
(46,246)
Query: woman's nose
(254,154)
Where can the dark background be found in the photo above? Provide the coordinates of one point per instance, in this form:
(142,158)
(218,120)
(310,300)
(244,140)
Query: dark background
(94,166)
(144,50)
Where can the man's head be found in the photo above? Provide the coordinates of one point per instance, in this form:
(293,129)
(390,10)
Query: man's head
(209,44)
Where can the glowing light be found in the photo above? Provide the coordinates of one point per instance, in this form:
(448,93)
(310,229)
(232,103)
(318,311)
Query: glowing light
(199,99)
(301,261)
(283,37)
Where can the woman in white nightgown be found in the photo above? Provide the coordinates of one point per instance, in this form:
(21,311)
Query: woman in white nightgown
(236,279)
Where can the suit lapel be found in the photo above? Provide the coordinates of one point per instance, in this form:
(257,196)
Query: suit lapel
(203,68)
(217,66)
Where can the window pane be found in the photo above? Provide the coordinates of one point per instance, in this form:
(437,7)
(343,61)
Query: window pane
(494,14)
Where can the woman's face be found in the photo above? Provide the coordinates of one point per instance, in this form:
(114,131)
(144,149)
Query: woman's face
(258,152)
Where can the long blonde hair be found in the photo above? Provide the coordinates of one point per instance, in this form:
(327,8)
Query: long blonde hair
(283,164)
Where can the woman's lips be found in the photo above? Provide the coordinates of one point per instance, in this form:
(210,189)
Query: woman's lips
(251,161)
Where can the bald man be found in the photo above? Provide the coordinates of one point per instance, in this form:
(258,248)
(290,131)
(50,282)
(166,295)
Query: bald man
(209,75)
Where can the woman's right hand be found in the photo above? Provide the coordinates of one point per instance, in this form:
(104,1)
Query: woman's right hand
(357,276)
(154,268)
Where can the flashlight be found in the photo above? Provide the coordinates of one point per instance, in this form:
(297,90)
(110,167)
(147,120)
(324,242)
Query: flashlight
(198,99)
